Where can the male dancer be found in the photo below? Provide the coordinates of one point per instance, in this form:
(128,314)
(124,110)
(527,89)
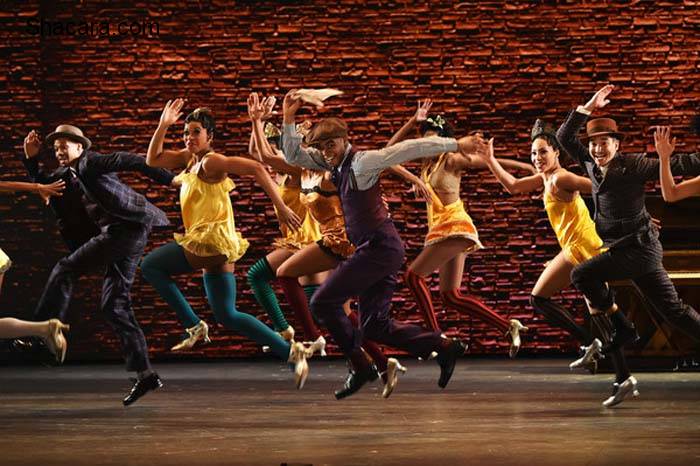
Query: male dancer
(369,273)
(74,224)
(125,219)
(623,223)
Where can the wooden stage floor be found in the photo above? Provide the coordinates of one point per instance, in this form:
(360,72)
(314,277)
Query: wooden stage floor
(494,412)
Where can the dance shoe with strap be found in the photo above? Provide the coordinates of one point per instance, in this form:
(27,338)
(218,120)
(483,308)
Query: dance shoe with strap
(55,341)
(621,391)
(515,329)
(196,333)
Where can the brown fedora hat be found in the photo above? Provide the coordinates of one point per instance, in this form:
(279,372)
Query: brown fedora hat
(328,128)
(602,127)
(69,132)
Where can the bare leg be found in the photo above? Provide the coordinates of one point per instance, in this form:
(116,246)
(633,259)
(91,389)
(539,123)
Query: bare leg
(16,328)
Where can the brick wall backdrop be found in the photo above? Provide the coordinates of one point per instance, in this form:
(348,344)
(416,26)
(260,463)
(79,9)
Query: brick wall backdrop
(491,65)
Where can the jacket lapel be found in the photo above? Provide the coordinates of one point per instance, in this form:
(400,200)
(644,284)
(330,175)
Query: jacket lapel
(616,169)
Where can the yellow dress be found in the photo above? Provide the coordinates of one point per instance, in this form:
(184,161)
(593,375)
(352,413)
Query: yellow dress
(208,217)
(574,227)
(5,262)
(309,231)
(447,221)
(323,204)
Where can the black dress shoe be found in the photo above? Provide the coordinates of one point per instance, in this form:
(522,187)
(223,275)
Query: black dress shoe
(447,358)
(355,381)
(621,337)
(141,387)
(33,350)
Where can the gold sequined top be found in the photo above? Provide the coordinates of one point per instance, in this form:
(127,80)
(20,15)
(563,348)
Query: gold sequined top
(320,197)
(309,231)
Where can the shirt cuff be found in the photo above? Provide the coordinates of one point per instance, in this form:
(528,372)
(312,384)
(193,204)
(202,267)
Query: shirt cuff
(582,109)
(451,145)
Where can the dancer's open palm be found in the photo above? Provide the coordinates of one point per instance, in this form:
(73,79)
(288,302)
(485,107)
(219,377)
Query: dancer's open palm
(665,145)
(255,108)
(423,109)
(172,112)
(600,98)
(45,191)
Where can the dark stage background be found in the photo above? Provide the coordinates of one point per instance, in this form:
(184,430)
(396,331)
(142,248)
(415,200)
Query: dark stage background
(496,66)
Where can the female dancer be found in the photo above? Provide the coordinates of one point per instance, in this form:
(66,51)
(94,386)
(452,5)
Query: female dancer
(671,191)
(211,241)
(320,197)
(451,232)
(264,271)
(576,234)
(51,331)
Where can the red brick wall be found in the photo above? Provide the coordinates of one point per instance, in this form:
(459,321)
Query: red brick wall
(495,66)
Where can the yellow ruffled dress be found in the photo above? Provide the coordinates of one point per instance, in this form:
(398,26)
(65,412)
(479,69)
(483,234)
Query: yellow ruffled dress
(208,217)
(448,221)
(5,262)
(309,231)
(574,228)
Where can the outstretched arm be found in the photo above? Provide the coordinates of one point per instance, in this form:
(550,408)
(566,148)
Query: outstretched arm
(419,186)
(474,162)
(45,191)
(671,191)
(217,163)
(374,161)
(511,184)
(128,162)
(567,181)
(156,156)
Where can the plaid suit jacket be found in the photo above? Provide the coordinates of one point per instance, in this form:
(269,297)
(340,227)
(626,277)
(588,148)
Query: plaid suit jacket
(97,176)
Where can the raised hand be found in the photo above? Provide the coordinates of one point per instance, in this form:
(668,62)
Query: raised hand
(422,111)
(290,106)
(665,145)
(600,98)
(32,144)
(472,144)
(172,112)
(255,108)
(268,105)
(45,191)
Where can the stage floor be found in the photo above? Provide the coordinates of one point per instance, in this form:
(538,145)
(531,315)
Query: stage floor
(500,412)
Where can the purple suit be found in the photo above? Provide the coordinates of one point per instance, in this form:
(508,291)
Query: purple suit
(370,273)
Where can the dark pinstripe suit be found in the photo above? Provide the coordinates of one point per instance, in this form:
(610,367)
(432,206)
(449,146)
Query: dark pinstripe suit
(125,218)
(625,226)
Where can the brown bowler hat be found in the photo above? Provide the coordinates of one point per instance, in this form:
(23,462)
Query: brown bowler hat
(328,128)
(602,127)
(69,132)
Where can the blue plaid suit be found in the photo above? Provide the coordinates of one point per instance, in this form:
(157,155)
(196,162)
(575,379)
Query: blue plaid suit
(117,248)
